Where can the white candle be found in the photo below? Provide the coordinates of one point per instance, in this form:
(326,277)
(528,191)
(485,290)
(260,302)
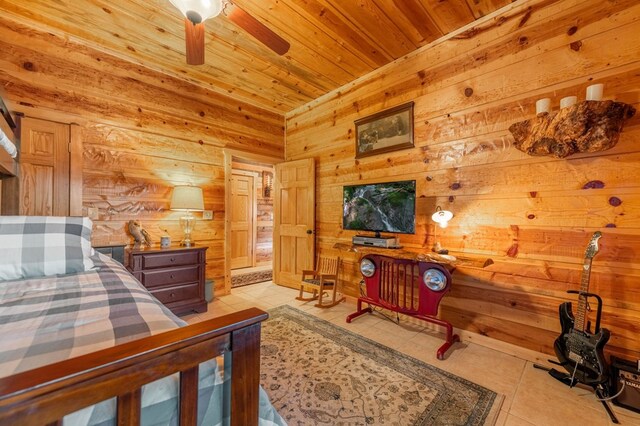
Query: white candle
(543,105)
(594,92)
(568,101)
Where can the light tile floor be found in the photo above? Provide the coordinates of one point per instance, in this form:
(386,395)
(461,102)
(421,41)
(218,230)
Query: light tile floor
(242,271)
(532,397)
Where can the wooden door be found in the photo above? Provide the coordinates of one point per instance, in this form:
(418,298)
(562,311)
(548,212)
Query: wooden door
(294,221)
(242,220)
(44,168)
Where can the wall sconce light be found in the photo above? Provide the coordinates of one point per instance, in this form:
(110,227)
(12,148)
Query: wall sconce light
(442,218)
(188,199)
(267,184)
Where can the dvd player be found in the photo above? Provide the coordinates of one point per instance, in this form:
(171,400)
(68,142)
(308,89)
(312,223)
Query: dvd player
(383,242)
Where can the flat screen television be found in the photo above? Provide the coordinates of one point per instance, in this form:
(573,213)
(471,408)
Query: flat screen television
(380,207)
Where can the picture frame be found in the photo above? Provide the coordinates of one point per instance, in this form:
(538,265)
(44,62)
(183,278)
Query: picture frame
(385,131)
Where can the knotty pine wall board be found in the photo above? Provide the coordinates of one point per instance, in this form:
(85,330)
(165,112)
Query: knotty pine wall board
(156,33)
(323,45)
(132,141)
(503,40)
(110,90)
(533,216)
(264,243)
(143,133)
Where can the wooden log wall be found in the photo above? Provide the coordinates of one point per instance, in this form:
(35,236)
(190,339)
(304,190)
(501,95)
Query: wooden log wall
(532,215)
(143,133)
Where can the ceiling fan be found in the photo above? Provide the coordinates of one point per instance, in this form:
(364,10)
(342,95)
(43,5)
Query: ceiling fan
(197,11)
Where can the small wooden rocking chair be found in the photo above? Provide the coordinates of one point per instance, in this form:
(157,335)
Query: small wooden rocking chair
(321,280)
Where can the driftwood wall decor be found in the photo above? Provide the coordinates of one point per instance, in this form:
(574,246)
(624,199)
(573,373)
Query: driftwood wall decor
(588,126)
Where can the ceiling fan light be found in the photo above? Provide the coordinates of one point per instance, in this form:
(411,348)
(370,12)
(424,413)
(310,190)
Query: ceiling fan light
(198,11)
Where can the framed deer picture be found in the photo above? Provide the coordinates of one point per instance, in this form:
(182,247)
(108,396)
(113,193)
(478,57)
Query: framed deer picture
(385,131)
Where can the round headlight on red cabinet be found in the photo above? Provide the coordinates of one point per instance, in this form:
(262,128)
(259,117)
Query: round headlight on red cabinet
(434,279)
(367,268)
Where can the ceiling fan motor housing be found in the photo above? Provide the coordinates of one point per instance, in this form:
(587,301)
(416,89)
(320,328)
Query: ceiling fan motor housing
(194,16)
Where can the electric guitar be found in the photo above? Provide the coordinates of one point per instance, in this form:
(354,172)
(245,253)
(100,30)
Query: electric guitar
(579,350)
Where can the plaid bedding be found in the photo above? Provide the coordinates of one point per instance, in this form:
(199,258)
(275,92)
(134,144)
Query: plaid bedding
(51,319)
(37,246)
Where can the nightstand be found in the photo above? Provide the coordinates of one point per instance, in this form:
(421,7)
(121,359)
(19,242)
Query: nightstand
(116,252)
(175,275)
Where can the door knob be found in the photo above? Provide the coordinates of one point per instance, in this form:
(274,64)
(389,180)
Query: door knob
(309,231)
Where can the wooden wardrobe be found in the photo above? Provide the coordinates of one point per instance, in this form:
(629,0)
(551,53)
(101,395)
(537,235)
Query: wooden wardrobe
(49,181)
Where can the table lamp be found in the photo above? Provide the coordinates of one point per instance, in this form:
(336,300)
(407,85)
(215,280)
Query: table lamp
(188,199)
(442,218)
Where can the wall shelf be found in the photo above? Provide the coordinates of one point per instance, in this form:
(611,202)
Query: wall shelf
(451,261)
(589,126)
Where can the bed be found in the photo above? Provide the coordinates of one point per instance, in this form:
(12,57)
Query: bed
(91,346)
(8,149)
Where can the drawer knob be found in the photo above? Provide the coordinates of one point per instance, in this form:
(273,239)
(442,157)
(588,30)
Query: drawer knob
(173,259)
(172,276)
(173,295)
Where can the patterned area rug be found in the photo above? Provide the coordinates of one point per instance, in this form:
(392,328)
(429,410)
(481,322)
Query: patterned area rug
(251,278)
(318,373)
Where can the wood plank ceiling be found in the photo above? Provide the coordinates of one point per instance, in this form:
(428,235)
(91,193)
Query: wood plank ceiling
(332,42)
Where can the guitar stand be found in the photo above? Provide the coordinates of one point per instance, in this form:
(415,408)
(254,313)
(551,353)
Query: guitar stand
(571,382)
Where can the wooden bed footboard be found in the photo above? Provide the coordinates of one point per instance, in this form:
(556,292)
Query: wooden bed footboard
(43,396)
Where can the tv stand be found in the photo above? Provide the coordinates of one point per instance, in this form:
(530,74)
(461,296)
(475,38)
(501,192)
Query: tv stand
(377,241)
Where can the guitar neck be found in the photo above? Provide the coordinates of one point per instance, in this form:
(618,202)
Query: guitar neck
(580,323)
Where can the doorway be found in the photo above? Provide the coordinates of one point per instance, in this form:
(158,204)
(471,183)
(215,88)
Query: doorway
(249,219)
(244,216)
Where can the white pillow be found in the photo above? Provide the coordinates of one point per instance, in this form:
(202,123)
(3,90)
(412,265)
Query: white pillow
(37,246)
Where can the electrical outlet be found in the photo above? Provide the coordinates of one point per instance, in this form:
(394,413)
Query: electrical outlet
(207,214)
(93,213)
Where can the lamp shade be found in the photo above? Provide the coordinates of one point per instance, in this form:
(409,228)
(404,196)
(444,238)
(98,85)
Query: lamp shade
(442,217)
(188,198)
(198,11)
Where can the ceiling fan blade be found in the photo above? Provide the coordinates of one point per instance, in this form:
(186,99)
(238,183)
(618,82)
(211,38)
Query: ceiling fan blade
(194,37)
(257,29)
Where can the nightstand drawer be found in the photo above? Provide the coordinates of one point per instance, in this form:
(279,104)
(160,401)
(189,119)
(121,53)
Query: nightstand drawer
(163,277)
(168,295)
(157,260)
